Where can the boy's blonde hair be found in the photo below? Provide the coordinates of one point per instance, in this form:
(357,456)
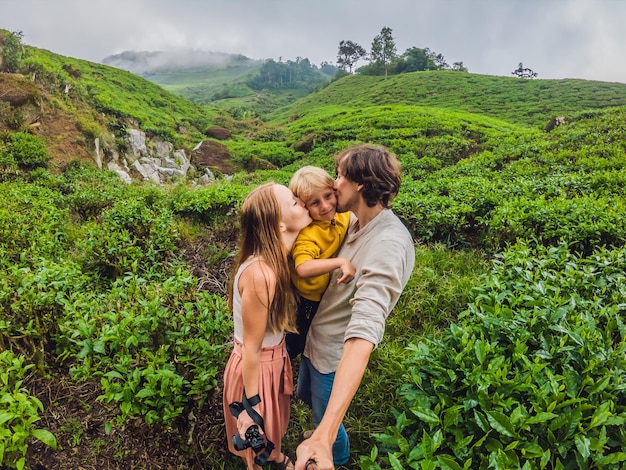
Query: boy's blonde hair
(309,178)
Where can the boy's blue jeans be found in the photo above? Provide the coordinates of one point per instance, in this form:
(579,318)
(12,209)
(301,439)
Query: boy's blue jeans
(314,389)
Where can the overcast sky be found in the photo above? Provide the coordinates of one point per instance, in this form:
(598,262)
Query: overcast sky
(555,38)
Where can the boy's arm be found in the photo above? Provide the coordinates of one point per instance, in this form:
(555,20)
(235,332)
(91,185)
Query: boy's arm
(317,267)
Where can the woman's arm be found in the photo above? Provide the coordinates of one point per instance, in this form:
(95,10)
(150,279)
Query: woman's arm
(257,286)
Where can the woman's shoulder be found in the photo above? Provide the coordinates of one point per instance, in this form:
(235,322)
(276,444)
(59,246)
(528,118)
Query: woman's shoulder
(255,269)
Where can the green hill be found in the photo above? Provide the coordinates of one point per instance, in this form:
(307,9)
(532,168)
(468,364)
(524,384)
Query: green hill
(530,102)
(231,82)
(199,76)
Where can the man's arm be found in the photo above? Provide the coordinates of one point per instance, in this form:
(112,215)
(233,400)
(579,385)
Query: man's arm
(356,354)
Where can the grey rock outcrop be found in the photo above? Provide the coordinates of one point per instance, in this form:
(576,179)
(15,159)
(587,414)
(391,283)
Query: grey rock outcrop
(146,159)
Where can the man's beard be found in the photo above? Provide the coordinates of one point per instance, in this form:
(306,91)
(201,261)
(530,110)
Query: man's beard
(348,205)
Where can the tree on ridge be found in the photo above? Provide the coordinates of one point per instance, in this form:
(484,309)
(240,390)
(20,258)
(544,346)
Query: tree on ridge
(383,49)
(524,72)
(349,54)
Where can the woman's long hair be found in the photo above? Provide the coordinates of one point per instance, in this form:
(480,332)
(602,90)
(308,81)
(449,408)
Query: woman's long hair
(260,236)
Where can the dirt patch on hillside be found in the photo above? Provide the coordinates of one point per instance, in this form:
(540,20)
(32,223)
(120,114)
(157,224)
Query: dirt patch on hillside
(212,155)
(79,422)
(27,109)
(64,140)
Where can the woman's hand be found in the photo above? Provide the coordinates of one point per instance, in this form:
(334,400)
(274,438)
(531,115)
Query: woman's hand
(244,421)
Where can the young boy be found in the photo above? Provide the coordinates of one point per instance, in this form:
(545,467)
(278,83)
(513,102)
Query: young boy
(314,250)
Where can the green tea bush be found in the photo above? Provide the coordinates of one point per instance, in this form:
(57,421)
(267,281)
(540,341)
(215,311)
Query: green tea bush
(19,411)
(32,224)
(434,218)
(132,237)
(447,149)
(277,153)
(531,377)
(7,160)
(584,222)
(31,302)
(209,202)
(89,191)
(26,150)
(157,346)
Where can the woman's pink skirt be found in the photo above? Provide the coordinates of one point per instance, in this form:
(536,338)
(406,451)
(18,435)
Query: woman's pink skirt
(275,389)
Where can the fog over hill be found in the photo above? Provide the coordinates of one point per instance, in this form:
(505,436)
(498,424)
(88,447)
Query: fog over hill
(141,62)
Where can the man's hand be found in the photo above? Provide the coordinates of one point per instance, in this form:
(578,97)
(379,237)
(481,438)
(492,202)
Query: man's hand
(314,449)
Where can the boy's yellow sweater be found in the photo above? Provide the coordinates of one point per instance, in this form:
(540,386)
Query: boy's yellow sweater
(319,240)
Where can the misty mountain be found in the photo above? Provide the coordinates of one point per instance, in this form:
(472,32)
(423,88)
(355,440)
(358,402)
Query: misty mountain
(147,62)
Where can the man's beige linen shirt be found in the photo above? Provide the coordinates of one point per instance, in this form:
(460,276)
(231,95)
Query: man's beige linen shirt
(383,255)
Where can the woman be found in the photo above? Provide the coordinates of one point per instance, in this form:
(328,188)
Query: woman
(257,379)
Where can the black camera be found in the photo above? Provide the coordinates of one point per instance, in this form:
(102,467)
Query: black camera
(253,439)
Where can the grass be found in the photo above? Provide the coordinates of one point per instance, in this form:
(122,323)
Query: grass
(122,96)
(527,102)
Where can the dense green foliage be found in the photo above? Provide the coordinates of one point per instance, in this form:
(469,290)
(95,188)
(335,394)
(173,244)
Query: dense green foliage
(24,151)
(19,411)
(10,43)
(91,275)
(299,73)
(532,375)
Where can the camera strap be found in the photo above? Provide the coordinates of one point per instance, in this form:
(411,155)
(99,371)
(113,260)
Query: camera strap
(246,404)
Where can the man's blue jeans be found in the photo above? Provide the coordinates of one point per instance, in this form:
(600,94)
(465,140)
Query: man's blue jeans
(314,389)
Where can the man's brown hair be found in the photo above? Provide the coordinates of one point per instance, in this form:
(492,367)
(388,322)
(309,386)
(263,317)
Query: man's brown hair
(375,168)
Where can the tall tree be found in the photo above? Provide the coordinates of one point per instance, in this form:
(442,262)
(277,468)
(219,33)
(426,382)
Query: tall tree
(415,59)
(349,54)
(383,49)
(459,67)
(440,62)
(523,72)
(11,45)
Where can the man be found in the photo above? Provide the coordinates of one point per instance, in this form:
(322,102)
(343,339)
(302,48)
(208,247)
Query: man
(350,321)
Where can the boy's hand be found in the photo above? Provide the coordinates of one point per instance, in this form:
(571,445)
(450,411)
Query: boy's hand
(347,271)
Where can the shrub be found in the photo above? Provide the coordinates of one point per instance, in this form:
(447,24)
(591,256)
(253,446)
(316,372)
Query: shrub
(19,411)
(31,301)
(27,150)
(12,51)
(277,153)
(7,162)
(585,222)
(530,377)
(208,203)
(32,223)
(158,347)
(132,238)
